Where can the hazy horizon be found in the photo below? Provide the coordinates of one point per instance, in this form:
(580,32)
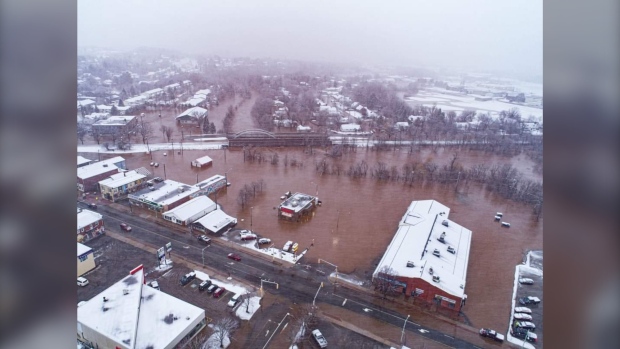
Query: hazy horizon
(477,35)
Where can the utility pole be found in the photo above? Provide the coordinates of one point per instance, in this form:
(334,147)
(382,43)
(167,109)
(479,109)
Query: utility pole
(403,333)
(165,172)
(457,182)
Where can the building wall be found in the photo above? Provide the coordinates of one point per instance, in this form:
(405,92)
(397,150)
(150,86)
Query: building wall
(92,183)
(430,294)
(96,339)
(121,192)
(91,231)
(85,263)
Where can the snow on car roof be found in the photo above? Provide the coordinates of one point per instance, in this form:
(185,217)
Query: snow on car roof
(416,239)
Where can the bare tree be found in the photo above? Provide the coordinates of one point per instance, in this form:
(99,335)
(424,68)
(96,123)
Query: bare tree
(146,131)
(82,130)
(96,134)
(223,328)
(168,133)
(385,282)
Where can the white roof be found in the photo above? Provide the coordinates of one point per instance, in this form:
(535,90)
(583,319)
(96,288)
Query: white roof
(82,160)
(350,127)
(209,181)
(402,124)
(166,192)
(98,167)
(216,220)
(116,120)
(119,179)
(195,111)
(82,249)
(416,239)
(155,90)
(355,114)
(85,102)
(303,128)
(204,92)
(195,101)
(87,217)
(192,207)
(297,202)
(142,318)
(203,160)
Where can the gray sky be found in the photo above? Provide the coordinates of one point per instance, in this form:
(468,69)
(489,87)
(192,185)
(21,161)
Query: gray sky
(461,34)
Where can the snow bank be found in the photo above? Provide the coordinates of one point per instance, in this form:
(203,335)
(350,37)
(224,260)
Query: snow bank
(347,278)
(213,342)
(167,265)
(202,276)
(242,310)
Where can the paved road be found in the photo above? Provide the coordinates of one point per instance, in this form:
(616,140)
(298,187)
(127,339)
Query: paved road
(296,283)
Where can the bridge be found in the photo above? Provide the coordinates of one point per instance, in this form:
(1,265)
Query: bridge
(263,138)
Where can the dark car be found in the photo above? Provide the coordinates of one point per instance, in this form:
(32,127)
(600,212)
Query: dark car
(187,278)
(234,256)
(485,332)
(125,227)
(92,206)
(526,325)
(212,288)
(204,239)
(218,292)
(522,333)
(204,285)
(529,300)
(157,179)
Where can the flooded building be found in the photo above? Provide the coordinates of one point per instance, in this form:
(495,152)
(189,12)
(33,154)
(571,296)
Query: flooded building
(119,185)
(118,124)
(212,184)
(190,211)
(192,116)
(202,162)
(428,256)
(297,206)
(215,222)
(88,176)
(163,196)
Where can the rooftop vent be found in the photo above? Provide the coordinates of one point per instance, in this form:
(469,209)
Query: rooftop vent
(105,165)
(436,278)
(125,291)
(436,253)
(410,264)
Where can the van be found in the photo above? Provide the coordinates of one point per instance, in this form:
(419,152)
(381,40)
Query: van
(187,278)
(82,281)
(233,301)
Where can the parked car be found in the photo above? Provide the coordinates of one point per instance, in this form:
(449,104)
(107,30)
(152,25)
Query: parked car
(525,325)
(218,292)
(125,227)
(506,224)
(212,288)
(524,310)
(529,300)
(81,281)
(522,316)
(522,333)
(248,236)
(158,179)
(264,241)
(234,300)
(92,206)
(318,337)
(287,246)
(234,256)
(204,285)
(204,239)
(187,278)
(485,332)
(154,284)
(497,218)
(526,281)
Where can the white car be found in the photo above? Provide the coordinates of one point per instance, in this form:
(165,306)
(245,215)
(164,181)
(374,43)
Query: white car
(264,241)
(154,284)
(82,281)
(524,310)
(521,316)
(234,300)
(526,281)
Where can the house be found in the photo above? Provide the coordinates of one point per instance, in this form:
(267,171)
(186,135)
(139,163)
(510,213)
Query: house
(153,93)
(190,211)
(82,161)
(211,185)
(85,259)
(202,93)
(119,185)
(129,314)
(196,101)
(429,255)
(117,124)
(135,101)
(401,125)
(202,162)
(89,225)
(163,196)
(85,104)
(215,222)
(296,206)
(350,128)
(192,116)
(88,176)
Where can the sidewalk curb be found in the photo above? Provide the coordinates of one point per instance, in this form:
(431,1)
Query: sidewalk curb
(337,321)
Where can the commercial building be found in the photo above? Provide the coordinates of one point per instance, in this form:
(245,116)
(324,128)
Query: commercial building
(119,185)
(89,225)
(212,184)
(132,315)
(85,259)
(428,256)
(82,161)
(163,196)
(190,211)
(214,222)
(117,124)
(202,162)
(296,206)
(88,176)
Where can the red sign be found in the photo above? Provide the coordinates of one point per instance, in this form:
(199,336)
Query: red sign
(136,269)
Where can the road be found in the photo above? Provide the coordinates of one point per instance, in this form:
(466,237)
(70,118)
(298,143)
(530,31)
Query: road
(296,283)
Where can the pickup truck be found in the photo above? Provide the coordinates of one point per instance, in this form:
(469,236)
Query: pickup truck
(318,337)
(485,332)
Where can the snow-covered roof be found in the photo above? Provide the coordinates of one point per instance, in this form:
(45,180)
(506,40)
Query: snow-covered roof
(175,85)
(205,92)
(210,181)
(153,91)
(350,127)
(98,168)
(165,192)
(297,202)
(303,128)
(355,114)
(138,316)
(96,115)
(82,160)
(194,101)
(401,124)
(119,179)
(195,111)
(116,120)
(86,218)
(82,249)
(215,220)
(417,238)
(85,102)
(191,208)
(203,160)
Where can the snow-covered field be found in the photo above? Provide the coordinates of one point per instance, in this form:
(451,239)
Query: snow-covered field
(143,148)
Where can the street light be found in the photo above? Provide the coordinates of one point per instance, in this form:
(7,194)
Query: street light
(203,256)
(333,265)
(403,333)
(251,219)
(317,293)
(226,175)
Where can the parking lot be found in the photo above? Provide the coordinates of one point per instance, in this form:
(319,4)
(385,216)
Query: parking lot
(534,272)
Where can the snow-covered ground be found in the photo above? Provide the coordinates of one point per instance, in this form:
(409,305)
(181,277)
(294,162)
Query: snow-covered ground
(527,268)
(167,265)
(273,252)
(235,288)
(143,148)
(242,309)
(213,341)
(347,278)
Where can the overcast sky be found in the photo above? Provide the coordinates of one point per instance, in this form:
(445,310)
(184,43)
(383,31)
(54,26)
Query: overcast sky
(503,35)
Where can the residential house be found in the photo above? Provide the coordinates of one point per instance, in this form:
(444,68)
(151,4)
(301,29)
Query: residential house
(192,116)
